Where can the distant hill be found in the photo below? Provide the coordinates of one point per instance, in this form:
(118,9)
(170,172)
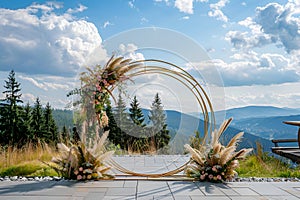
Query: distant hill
(182,127)
(269,127)
(254,112)
(63,118)
(259,111)
(186,125)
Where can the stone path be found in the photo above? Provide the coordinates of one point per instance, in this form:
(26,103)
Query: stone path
(142,188)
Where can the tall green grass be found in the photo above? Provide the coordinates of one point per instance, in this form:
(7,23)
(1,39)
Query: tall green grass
(26,161)
(262,164)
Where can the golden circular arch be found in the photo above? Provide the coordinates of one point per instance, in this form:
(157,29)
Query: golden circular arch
(155,66)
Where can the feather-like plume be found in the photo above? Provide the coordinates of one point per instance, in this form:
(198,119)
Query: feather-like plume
(225,155)
(109,61)
(235,139)
(62,147)
(242,153)
(224,126)
(195,156)
(114,63)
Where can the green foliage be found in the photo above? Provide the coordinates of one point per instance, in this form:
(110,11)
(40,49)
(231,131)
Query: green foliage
(65,135)
(44,171)
(63,118)
(37,122)
(254,166)
(28,169)
(21,170)
(118,123)
(196,141)
(19,124)
(129,130)
(159,132)
(136,114)
(10,131)
(50,134)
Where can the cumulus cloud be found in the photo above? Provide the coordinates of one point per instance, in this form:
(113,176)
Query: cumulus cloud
(273,24)
(186,6)
(252,69)
(282,22)
(217,12)
(36,40)
(129,51)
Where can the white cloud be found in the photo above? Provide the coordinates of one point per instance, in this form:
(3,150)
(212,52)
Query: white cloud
(48,83)
(185,6)
(34,82)
(46,43)
(167,2)
(210,50)
(106,24)
(251,68)
(28,98)
(131,4)
(185,17)
(273,24)
(144,20)
(217,12)
(129,51)
(80,8)
(282,22)
(280,95)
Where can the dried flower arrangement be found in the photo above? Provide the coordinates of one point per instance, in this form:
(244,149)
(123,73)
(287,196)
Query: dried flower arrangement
(81,163)
(215,162)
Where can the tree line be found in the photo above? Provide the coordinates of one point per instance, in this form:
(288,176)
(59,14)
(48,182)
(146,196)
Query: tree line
(21,124)
(129,129)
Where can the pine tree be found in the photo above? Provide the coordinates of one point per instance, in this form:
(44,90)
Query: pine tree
(26,123)
(65,135)
(159,132)
(122,122)
(114,131)
(50,128)
(37,122)
(136,114)
(137,138)
(10,111)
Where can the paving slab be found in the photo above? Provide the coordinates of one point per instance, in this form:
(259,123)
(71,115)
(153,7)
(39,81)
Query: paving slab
(143,188)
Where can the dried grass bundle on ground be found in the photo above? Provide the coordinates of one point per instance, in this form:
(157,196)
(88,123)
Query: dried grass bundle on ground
(215,162)
(82,163)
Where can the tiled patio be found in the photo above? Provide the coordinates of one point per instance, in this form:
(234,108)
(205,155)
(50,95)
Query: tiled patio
(126,187)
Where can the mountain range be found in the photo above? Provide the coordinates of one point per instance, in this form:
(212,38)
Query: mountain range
(259,124)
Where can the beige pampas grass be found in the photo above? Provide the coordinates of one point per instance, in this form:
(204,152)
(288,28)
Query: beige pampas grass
(215,162)
(81,163)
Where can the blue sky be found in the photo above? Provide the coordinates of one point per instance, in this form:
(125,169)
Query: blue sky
(254,46)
